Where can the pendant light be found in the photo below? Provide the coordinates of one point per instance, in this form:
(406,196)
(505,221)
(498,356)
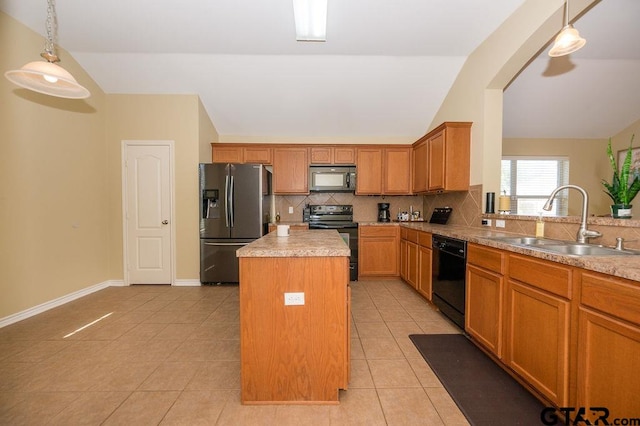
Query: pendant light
(47,77)
(568,40)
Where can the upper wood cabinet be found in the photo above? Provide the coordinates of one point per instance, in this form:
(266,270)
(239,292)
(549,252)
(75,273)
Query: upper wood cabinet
(332,155)
(257,154)
(397,171)
(226,154)
(241,153)
(441,159)
(290,170)
(369,171)
(383,170)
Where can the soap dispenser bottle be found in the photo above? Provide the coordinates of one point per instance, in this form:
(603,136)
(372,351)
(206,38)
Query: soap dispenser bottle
(540,227)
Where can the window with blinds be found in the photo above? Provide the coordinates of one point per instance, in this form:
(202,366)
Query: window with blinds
(530,180)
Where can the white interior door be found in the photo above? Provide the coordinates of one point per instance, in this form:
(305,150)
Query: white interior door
(147,213)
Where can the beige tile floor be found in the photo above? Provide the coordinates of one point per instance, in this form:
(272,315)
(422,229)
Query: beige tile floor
(170,356)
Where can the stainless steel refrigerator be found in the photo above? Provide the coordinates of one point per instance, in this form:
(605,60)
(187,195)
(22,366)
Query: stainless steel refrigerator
(234,211)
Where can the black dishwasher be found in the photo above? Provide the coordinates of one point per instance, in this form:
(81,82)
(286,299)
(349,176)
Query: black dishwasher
(448,277)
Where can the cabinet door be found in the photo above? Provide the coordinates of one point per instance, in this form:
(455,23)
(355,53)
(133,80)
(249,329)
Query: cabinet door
(369,166)
(608,365)
(378,251)
(321,155)
(437,170)
(484,307)
(412,264)
(403,259)
(378,256)
(344,155)
(420,159)
(424,272)
(257,155)
(397,171)
(290,171)
(226,154)
(537,340)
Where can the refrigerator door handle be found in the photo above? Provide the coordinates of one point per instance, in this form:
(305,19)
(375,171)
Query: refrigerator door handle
(226,200)
(231,199)
(225,244)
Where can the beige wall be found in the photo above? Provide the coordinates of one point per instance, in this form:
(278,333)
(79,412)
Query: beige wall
(53,208)
(158,117)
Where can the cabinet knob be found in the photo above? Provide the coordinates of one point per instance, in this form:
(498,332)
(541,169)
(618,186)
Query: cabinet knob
(165,222)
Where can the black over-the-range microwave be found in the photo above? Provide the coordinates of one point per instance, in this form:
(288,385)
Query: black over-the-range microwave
(332,178)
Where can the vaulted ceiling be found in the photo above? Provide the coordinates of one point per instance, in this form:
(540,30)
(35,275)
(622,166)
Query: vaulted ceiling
(383,72)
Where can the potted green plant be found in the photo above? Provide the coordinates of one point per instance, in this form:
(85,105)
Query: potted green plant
(624,185)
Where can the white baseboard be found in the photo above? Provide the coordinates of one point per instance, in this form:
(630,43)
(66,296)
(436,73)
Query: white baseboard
(187,283)
(57,302)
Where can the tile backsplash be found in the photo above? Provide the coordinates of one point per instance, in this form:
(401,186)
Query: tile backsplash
(466,206)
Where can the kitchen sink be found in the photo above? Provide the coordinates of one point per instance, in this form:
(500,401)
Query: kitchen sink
(526,240)
(567,248)
(577,249)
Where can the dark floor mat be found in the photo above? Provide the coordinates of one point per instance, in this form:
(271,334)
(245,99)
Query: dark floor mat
(483,391)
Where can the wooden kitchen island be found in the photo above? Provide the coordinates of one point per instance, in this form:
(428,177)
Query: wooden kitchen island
(294,354)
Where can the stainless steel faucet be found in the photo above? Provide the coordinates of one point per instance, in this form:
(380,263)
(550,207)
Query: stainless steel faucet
(583,233)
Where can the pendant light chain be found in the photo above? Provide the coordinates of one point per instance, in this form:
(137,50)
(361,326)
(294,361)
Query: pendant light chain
(52,30)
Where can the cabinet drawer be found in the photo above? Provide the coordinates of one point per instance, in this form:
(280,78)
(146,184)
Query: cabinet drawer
(486,257)
(424,239)
(412,235)
(548,276)
(612,296)
(378,231)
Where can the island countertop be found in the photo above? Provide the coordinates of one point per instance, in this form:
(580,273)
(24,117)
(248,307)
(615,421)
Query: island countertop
(300,243)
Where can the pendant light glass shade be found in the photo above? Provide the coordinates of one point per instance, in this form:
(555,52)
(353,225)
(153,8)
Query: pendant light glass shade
(49,79)
(568,40)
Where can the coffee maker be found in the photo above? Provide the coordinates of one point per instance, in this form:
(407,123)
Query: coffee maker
(383,212)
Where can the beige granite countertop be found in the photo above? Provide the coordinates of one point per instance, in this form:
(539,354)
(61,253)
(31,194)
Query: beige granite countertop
(300,243)
(620,266)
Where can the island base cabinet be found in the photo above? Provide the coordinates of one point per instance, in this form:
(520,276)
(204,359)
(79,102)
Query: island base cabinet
(537,342)
(294,354)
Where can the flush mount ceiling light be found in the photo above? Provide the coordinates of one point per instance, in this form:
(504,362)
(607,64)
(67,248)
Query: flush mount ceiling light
(568,40)
(311,20)
(47,77)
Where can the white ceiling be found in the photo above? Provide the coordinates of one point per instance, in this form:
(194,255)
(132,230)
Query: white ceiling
(383,72)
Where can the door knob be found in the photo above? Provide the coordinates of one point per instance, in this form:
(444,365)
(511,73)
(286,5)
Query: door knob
(165,222)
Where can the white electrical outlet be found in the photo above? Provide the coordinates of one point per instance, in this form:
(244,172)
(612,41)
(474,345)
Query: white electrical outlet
(499,223)
(486,222)
(290,210)
(293,299)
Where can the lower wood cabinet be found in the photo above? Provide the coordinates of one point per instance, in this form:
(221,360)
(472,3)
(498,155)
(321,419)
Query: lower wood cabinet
(573,335)
(484,308)
(485,297)
(608,347)
(378,251)
(424,270)
(537,340)
(415,260)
